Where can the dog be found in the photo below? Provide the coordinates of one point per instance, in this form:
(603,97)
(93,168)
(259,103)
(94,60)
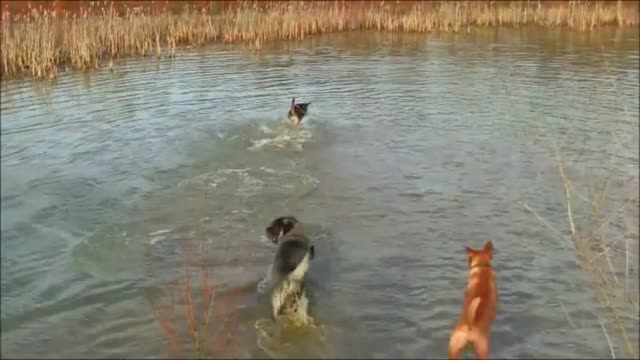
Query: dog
(291,261)
(479,307)
(297,111)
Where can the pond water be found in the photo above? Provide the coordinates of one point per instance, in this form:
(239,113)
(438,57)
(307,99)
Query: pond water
(415,146)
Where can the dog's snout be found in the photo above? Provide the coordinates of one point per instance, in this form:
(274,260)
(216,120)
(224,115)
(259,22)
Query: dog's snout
(272,234)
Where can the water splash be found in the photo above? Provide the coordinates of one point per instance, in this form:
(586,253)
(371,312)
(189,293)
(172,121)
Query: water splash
(158,236)
(291,330)
(247,182)
(288,138)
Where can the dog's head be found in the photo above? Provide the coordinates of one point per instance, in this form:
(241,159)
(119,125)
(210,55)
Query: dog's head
(480,257)
(280,227)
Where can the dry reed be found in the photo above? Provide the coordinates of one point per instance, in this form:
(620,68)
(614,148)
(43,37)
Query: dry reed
(603,223)
(595,250)
(37,42)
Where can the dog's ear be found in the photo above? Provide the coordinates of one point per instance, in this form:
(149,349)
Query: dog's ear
(488,246)
(488,249)
(470,253)
(287,225)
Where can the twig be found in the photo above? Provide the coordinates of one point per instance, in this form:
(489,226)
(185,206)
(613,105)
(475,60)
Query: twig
(614,313)
(209,307)
(603,252)
(190,315)
(595,204)
(208,294)
(626,265)
(604,330)
(169,331)
(613,215)
(613,273)
(565,181)
(543,221)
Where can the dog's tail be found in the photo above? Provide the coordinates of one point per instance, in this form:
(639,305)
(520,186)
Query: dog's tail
(473,309)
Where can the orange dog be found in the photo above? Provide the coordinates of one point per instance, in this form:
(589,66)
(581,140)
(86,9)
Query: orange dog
(479,309)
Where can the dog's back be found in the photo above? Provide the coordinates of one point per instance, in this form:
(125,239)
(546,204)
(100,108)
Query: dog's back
(295,253)
(290,264)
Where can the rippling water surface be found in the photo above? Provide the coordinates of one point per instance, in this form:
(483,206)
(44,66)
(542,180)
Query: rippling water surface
(415,147)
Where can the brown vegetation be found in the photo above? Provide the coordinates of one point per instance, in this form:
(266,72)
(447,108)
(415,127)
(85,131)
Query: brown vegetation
(197,326)
(606,244)
(36,41)
(602,207)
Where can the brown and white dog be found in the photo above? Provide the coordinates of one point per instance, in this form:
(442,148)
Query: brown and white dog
(479,308)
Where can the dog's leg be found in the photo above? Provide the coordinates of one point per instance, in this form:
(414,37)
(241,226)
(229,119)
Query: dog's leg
(277,299)
(457,342)
(480,345)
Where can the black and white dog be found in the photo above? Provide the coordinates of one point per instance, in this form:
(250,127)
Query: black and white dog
(290,263)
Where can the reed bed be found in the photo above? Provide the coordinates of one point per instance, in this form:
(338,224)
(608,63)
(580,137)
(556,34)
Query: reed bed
(40,40)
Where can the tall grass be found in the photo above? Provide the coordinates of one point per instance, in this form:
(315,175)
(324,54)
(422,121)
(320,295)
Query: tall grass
(605,245)
(602,219)
(37,42)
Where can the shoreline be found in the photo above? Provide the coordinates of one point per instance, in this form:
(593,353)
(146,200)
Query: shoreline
(37,42)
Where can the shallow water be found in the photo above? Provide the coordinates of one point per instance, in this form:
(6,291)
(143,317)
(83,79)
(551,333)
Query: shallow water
(415,146)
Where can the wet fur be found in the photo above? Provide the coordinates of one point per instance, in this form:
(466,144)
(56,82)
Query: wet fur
(289,288)
(291,261)
(479,307)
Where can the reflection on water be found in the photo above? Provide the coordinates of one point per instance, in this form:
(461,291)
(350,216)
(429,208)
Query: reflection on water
(416,145)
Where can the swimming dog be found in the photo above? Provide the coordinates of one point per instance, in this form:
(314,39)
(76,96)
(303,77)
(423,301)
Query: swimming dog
(297,111)
(291,261)
(479,307)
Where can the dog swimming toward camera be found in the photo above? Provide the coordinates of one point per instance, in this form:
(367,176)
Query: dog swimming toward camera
(297,111)
(285,279)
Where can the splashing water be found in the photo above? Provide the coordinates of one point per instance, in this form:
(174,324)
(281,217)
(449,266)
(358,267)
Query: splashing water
(289,138)
(292,328)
